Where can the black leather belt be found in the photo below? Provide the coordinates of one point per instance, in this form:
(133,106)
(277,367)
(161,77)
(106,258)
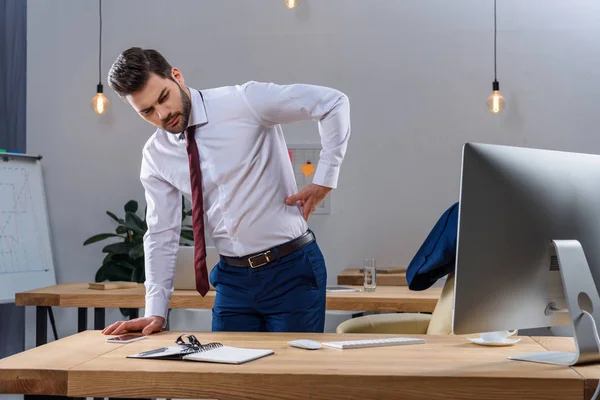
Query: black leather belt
(264,258)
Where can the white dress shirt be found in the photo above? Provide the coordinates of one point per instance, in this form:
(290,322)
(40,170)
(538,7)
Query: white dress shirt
(246,173)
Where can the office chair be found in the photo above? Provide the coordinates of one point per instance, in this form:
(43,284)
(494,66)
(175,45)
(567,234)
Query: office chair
(438,323)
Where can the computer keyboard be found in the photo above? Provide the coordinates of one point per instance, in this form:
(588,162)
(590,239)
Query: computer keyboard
(357,344)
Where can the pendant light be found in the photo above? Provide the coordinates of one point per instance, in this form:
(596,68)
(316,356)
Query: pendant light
(495,101)
(100,102)
(291,3)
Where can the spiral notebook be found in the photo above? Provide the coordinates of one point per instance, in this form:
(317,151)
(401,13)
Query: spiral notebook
(210,352)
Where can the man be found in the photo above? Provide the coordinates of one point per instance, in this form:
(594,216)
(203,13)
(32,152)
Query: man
(272,275)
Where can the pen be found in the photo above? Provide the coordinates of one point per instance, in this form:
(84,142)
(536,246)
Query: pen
(149,352)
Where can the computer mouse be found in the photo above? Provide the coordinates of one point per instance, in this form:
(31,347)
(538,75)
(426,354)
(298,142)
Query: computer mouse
(306,344)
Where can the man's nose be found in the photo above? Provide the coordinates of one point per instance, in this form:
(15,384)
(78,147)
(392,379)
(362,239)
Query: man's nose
(161,112)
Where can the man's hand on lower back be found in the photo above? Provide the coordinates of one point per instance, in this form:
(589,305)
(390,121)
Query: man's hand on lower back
(309,197)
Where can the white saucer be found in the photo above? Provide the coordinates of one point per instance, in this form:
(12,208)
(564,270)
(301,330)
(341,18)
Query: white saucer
(505,342)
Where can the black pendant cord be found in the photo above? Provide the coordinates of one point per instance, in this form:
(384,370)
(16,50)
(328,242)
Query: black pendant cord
(100,44)
(495,68)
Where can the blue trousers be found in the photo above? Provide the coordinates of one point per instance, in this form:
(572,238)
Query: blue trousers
(287,295)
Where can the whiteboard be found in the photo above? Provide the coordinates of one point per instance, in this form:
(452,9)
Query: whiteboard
(25,253)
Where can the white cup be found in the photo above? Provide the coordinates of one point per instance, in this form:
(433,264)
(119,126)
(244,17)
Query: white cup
(499,336)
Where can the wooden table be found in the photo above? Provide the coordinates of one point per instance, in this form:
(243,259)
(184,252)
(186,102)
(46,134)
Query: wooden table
(591,373)
(385,277)
(448,367)
(385,298)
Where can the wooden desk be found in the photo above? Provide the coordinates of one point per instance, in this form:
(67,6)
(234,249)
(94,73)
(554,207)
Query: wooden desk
(591,373)
(387,277)
(448,367)
(385,298)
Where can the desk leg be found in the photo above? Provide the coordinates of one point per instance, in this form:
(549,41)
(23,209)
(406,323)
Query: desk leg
(52,323)
(99,318)
(41,325)
(82,319)
(41,338)
(99,324)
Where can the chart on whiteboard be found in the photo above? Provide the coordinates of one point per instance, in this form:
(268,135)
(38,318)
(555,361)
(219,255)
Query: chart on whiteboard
(23,223)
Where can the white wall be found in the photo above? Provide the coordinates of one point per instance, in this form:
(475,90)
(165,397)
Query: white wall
(417,73)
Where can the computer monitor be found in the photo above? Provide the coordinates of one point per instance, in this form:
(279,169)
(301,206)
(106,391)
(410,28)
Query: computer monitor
(528,246)
(185,275)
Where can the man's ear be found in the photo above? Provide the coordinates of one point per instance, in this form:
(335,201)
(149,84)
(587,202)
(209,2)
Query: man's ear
(178,76)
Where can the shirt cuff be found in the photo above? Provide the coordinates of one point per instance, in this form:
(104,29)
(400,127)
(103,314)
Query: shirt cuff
(326,175)
(157,306)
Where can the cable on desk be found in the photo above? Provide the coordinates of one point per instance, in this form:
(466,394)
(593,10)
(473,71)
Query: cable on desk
(597,392)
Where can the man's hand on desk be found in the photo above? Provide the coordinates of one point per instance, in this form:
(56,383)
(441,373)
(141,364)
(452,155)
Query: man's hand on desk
(309,197)
(147,325)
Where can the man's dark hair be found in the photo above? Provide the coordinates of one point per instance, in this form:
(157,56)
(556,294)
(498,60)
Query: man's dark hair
(131,70)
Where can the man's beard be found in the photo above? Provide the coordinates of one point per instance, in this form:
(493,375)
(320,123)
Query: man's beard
(184,115)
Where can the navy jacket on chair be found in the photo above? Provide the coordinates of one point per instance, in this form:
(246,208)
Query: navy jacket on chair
(437,254)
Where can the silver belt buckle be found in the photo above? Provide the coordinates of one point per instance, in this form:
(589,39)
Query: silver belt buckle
(265,254)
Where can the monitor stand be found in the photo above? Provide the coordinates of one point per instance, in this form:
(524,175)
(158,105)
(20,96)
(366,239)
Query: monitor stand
(583,305)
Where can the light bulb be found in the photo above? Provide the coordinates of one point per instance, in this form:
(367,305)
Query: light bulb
(495,101)
(307,169)
(100,103)
(291,3)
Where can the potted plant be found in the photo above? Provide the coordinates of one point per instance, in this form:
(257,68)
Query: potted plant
(124,260)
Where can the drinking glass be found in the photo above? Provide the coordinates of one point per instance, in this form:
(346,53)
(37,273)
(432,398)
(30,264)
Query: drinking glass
(370,275)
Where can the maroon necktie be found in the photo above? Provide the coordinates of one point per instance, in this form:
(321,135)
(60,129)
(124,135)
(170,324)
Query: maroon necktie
(197,212)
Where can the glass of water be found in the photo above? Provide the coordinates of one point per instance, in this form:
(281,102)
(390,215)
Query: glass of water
(370,275)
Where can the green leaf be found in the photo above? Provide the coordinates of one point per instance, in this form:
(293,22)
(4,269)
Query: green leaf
(137,251)
(126,265)
(134,223)
(118,248)
(138,262)
(121,229)
(125,312)
(113,216)
(131,206)
(137,220)
(112,272)
(99,237)
(187,234)
(120,257)
(137,238)
(138,275)
(108,258)
(100,275)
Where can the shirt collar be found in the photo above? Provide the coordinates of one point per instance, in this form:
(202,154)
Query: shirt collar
(198,111)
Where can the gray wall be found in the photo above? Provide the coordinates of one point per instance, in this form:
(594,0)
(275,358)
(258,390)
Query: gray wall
(417,73)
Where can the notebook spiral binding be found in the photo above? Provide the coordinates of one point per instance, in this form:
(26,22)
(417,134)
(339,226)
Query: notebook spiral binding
(201,348)
(193,345)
